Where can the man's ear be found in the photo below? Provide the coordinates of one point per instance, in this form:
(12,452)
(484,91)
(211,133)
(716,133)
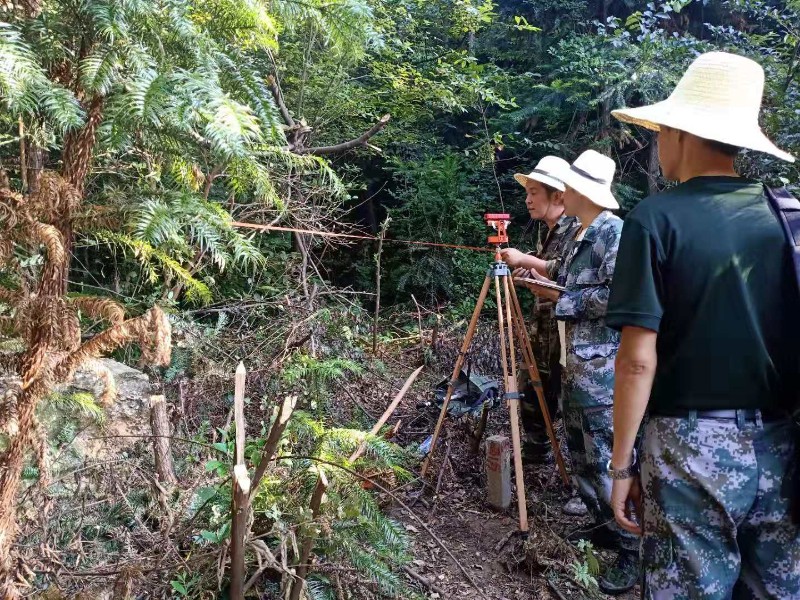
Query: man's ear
(557,198)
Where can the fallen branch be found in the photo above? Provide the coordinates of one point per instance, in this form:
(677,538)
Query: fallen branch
(555,590)
(424,581)
(481,429)
(504,540)
(378,287)
(421,333)
(388,412)
(441,473)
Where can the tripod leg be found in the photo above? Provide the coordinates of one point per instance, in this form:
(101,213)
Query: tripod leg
(456,370)
(533,373)
(501,319)
(513,412)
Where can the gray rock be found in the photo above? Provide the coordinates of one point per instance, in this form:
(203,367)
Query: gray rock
(126,418)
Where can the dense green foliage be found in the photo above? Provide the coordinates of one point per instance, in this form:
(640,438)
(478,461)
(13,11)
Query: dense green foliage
(212,112)
(524,79)
(191,137)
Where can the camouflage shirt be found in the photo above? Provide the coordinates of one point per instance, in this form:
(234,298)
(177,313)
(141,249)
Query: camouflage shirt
(591,346)
(552,249)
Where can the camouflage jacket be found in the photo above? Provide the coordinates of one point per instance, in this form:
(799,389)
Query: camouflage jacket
(591,346)
(544,334)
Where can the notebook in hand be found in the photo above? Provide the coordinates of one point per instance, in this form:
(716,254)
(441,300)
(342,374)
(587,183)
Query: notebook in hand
(545,284)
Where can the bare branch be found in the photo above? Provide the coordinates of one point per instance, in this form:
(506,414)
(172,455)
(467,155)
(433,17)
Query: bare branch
(362,140)
(278,96)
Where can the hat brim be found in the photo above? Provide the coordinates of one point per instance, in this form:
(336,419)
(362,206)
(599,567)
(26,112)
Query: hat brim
(523,178)
(597,193)
(706,126)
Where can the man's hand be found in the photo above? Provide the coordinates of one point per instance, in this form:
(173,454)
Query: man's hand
(512,257)
(626,502)
(520,272)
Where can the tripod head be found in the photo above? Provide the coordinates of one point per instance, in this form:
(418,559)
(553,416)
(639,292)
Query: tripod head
(499,222)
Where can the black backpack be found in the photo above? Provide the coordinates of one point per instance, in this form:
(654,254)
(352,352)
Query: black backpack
(787,210)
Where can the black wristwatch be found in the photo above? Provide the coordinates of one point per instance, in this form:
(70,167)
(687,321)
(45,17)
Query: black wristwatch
(626,473)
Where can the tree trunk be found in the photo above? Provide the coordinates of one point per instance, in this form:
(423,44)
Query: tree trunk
(36,159)
(161,447)
(11,464)
(77,158)
(605,124)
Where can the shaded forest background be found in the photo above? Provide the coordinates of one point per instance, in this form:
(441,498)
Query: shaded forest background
(138,133)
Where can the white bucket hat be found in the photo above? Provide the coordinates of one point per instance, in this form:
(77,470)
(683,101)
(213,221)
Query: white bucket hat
(591,175)
(718,98)
(548,171)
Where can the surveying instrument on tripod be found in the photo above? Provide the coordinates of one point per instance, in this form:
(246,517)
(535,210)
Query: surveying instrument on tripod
(511,329)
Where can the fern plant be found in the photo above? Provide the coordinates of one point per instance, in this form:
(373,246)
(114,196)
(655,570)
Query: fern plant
(313,377)
(167,102)
(352,528)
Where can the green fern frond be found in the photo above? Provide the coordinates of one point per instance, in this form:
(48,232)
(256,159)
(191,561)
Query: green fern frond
(25,86)
(370,566)
(155,223)
(148,97)
(248,176)
(80,402)
(61,106)
(30,473)
(182,219)
(249,88)
(109,19)
(153,260)
(320,588)
(99,70)
(304,427)
(347,25)
(245,23)
(232,127)
(384,533)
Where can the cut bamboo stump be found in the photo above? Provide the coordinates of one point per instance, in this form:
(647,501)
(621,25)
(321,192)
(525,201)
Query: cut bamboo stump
(273,439)
(308,539)
(239,521)
(162,453)
(240,499)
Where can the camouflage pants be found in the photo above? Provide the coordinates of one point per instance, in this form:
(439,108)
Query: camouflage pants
(716,519)
(590,438)
(530,412)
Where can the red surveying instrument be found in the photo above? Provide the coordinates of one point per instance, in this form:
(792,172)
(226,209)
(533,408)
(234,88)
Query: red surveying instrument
(499,222)
(512,325)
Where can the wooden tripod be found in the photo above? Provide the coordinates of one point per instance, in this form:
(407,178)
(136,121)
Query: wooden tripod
(511,324)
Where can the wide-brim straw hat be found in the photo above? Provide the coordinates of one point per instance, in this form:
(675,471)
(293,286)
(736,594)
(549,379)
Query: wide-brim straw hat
(718,98)
(591,176)
(547,171)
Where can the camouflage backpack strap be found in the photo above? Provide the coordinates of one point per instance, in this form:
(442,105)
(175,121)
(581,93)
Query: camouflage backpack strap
(787,210)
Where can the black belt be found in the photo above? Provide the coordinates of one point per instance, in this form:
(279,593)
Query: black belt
(750,414)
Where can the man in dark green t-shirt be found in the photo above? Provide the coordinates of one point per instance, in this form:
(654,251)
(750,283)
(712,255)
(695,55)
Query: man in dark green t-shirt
(705,296)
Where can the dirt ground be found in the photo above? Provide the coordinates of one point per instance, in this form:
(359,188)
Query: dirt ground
(484,545)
